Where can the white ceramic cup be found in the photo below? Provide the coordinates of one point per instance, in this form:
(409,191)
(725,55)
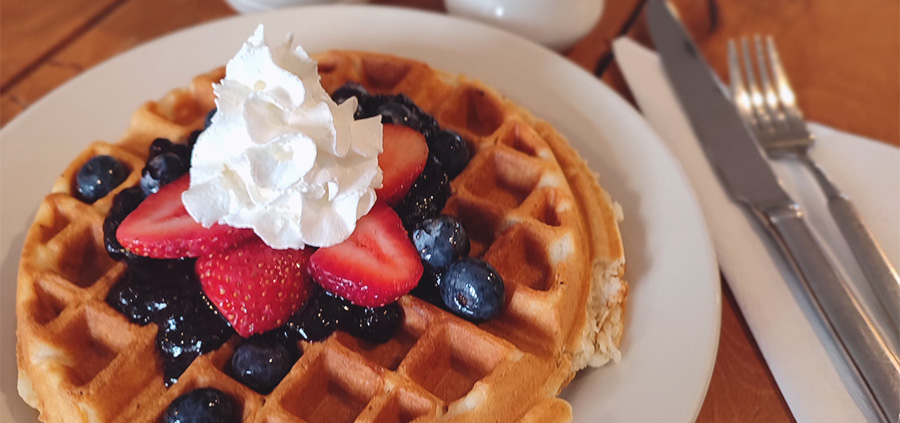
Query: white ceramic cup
(557,24)
(251,6)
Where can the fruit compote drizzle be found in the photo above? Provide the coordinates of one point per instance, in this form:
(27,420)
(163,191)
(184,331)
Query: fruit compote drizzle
(168,293)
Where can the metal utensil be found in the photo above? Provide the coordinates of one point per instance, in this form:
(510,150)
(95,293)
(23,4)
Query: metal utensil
(765,99)
(743,169)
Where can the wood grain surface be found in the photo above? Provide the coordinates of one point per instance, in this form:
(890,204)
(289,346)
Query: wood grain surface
(842,58)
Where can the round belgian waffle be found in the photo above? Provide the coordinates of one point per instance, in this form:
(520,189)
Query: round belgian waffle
(530,204)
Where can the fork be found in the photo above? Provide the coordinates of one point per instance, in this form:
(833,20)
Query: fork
(770,109)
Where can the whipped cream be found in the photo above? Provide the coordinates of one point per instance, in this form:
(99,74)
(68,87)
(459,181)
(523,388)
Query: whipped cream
(281,157)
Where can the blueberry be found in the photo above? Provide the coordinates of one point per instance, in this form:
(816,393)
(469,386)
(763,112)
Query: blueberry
(260,363)
(426,197)
(350,89)
(160,171)
(316,320)
(473,289)
(450,150)
(209,116)
(99,176)
(164,145)
(159,146)
(440,241)
(188,325)
(429,287)
(375,324)
(123,203)
(204,405)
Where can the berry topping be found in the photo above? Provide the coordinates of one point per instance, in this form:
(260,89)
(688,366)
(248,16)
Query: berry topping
(402,160)
(257,288)
(149,285)
(395,112)
(261,362)
(191,141)
(123,203)
(450,151)
(174,367)
(205,405)
(374,266)
(99,176)
(427,197)
(429,287)
(350,89)
(473,289)
(399,109)
(440,241)
(317,319)
(160,227)
(164,145)
(188,326)
(376,325)
(209,116)
(160,171)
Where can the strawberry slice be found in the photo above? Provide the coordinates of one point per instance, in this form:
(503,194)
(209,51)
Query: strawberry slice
(257,288)
(404,156)
(160,227)
(375,266)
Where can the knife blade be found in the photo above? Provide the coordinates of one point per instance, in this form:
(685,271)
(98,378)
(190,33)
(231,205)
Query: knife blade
(741,166)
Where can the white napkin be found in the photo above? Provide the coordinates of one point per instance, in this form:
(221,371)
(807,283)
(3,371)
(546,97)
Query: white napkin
(756,273)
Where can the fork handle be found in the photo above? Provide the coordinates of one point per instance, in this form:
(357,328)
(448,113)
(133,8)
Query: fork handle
(876,369)
(878,270)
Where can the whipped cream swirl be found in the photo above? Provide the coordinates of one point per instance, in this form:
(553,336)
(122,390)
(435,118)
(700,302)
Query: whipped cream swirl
(281,157)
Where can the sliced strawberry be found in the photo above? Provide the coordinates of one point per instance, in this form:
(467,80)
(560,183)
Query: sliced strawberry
(404,156)
(257,288)
(160,227)
(375,266)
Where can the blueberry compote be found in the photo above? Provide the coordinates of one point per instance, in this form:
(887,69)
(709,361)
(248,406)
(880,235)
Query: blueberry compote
(123,203)
(448,153)
(473,290)
(325,312)
(167,292)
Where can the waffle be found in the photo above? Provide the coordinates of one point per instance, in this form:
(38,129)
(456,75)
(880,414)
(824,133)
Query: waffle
(532,208)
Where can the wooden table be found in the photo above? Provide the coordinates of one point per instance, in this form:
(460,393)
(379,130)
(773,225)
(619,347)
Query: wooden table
(842,57)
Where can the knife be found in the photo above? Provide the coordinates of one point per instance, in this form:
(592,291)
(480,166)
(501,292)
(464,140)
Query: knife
(742,168)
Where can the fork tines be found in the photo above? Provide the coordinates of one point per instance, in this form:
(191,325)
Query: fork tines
(769,104)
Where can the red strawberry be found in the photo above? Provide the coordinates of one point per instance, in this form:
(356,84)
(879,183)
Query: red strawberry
(404,156)
(375,266)
(257,288)
(160,227)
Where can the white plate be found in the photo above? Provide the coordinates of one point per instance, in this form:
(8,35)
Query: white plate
(674,306)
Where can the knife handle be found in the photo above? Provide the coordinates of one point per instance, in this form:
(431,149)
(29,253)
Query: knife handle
(877,370)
